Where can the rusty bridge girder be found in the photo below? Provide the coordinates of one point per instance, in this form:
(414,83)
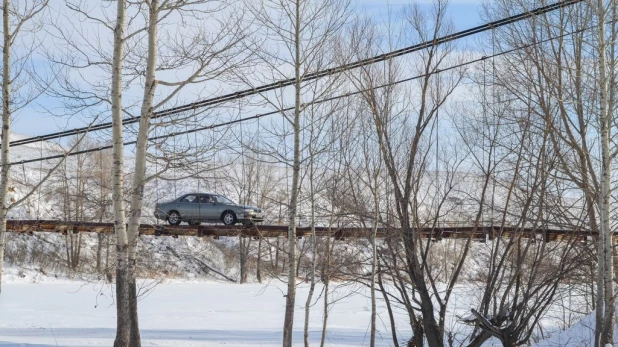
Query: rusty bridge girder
(480,233)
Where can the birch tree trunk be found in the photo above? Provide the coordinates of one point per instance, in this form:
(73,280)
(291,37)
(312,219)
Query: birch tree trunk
(139,177)
(123,320)
(6,130)
(605,261)
(313,249)
(100,237)
(288,323)
(303,29)
(13,22)
(326,282)
(376,201)
(258,270)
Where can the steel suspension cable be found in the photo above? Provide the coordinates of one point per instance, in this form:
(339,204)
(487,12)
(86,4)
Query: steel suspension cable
(313,102)
(310,76)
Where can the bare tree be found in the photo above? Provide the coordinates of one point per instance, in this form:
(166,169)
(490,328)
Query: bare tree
(303,30)
(102,200)
(322,133)
(253,182)
(69,186)
(403,129)
(17,18)
(524,273)
(605,279)
(123,317)
(200,56)
(201,60)
(569,90)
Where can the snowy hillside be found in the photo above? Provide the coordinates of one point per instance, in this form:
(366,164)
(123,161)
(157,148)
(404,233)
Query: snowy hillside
(33,150)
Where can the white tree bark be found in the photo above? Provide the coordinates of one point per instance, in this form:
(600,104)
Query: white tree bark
(6,129)
(290,298)
(605,256)
(313,242)
(374,258)
(14,18)
(139,177)
(123,331)
(326,282)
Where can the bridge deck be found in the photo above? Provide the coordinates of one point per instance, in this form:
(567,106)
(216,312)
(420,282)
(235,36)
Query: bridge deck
(481,233)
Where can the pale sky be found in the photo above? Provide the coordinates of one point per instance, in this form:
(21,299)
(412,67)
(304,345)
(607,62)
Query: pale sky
(464,13)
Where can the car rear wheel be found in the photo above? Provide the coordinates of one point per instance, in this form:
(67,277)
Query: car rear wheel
(173,218)
(228,218)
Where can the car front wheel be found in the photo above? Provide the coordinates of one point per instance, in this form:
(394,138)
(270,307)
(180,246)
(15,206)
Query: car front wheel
(173,218)
(228,218)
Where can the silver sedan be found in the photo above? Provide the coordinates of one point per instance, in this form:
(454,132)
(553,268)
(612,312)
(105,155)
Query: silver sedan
(195,208)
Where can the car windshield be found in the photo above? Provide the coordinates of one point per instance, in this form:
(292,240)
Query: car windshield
(223,200)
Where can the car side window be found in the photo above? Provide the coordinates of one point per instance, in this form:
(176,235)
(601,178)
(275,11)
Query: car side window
(205,199)
(189,198)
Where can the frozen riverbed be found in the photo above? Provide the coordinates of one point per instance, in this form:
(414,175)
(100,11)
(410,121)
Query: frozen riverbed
(177,314)
(45,312)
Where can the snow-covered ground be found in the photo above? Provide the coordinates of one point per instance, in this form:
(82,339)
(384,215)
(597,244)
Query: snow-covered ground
(54,312)
(38,310)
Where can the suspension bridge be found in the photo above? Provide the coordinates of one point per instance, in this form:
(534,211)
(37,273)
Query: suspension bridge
(477,233)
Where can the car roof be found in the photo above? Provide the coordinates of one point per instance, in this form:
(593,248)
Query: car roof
(195,193)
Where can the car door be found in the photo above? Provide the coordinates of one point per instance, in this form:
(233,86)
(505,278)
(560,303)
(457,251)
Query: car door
(217,208)
(188,207)
(204,208)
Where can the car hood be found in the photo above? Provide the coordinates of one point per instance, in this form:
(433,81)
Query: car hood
(248,207)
